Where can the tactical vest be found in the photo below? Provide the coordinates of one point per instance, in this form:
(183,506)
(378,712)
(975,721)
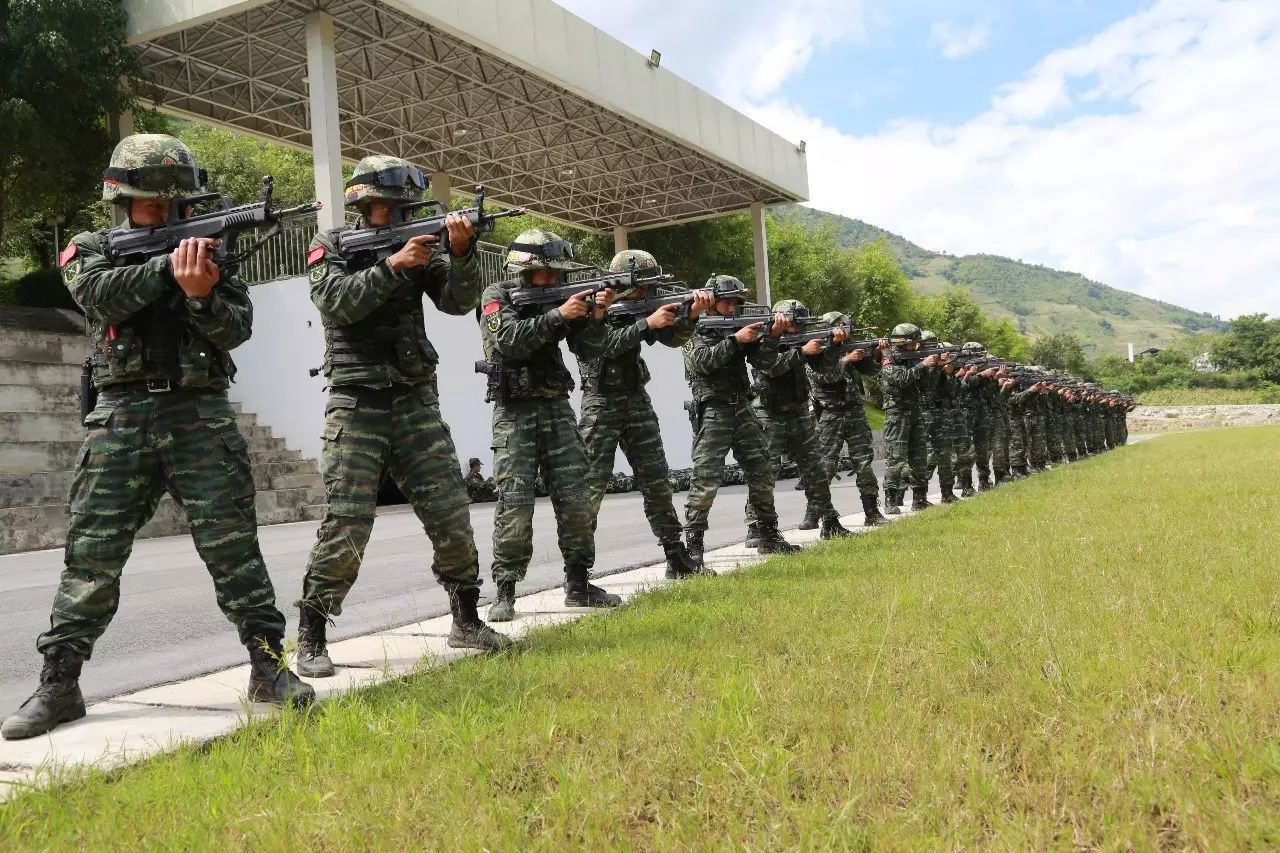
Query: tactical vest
(728,383)
(542,374)
(625,373)
(394,335)
(783,393)
(846,392)
(160,345)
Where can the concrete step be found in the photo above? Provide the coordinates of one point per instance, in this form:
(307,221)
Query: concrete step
(262,481)
(34,489)
(245,419)
(38,373)
(40,426)
(43,398)
(260,457)
(43,347)
(28,457)
(274,470)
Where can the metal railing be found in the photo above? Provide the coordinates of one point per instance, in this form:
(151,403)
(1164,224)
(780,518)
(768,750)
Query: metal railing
(285,256)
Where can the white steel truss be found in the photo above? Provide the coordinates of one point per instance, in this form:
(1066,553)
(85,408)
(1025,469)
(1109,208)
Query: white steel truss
(409,89)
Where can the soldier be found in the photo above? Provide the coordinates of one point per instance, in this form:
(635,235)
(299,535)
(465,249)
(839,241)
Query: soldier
(533,424)
(716,369)
(937,403)
(904,428)
(975,403)
(616,408)
(480,488)
(842,420)
(782,404)
(383,413)
(961,435)
(163,328)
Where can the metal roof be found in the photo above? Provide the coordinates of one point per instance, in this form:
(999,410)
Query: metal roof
(545,110)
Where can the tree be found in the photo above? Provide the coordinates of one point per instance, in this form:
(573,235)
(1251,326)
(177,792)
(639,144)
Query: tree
(61,77)
(954,316)
(885,292)
(1251,343)
(1062,351)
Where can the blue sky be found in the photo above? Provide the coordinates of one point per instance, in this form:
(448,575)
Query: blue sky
(1133,142)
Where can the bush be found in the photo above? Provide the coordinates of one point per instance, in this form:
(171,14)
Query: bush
(42,288)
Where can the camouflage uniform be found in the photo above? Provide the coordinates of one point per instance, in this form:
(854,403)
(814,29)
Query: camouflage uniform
(383,414)
(937,403)
(977,420)
(1000,426)
(162,423)
(534,429)
(1033,417)
(480,489)
(616,410)
(716,370)
(961,435)
(1017,405)
(905,443)
(842,420)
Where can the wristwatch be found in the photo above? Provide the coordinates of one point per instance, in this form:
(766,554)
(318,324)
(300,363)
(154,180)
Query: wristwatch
(198,304)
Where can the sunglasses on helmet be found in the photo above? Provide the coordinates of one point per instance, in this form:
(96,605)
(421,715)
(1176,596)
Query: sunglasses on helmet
(156,178)
(551,250)
(392,176)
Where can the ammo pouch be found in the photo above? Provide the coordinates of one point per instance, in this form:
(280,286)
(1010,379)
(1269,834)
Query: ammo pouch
(626,374)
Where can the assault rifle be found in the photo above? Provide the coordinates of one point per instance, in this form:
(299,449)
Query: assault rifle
(546,298)
(644,307)
(924,352)
(384,241)
(867,345)
(226,223)
(748,315)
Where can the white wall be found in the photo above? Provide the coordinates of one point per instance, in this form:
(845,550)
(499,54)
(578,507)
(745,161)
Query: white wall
(288,339)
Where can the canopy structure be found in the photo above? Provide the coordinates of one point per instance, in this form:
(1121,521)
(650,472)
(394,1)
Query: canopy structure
(544,110)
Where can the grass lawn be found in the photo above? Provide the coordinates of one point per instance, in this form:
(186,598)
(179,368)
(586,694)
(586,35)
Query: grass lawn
(1210,396)
(1088,658)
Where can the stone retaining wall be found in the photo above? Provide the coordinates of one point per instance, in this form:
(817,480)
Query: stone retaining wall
(1167,418)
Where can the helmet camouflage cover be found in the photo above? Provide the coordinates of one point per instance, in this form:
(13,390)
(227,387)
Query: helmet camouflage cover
(537,249)
(646,266)
(927,335)
(151,165)
(726,287)
(972,346)
(832,317)
(381,176)
(904,332)
(793,308)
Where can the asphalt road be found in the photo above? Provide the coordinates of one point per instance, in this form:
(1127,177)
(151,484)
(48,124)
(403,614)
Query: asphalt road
(168,626)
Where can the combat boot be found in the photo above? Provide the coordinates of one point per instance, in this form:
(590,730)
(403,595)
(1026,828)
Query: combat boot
(899,496)
(313,648)
(693,544)
(948,495)
(831,528)
(271,680)
(753,536)
(966,485)
(503,608)
(468,631)
(57,700)
(1018,473)
(891,502)
(918,499)
(984,482)
(810,520)
(870,512)
(771,542)
(679,562)
(580,592)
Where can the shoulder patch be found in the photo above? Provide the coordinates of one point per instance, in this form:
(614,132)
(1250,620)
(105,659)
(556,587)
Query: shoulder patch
(317,272)
(494,323)
(71,270)
(491,308)
(68,253)
(315,254)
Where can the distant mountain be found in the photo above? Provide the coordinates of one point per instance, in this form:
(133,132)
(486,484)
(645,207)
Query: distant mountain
(1038,300)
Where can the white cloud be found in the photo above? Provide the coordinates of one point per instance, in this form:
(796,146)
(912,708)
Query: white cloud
(1145,158)
(955,40)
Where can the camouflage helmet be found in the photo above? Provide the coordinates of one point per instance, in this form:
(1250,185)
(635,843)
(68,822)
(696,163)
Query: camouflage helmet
(726,287)
(474,461)
(537,249)
(380,176)
(645,265)
(832,317)
(971,347)
(904,333)
(151,165)
(793,308)
(927,336)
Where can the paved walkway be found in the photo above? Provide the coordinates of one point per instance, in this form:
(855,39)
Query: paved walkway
(133,726)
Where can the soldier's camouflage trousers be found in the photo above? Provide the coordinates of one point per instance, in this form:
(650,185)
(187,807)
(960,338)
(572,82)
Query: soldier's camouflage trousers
(1053,431)
(906,450)
(368,435)
(961,445)
(1037,442)
(1077,434)
(998,423)
(841,426)
(139,446)
(628,421)
(793,433)
(531,436)
(979,426)
(729,426)
(1018,442)
(937,432)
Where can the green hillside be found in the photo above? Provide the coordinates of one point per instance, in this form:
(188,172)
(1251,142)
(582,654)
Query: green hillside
(1038,300)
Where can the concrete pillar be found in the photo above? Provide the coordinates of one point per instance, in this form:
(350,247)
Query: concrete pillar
(326,144)
(441,187)
(760,242)
(619,239)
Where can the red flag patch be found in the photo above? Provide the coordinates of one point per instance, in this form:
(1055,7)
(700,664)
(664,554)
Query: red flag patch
(886,362)
(67,254)
(315,254)
(491,308)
